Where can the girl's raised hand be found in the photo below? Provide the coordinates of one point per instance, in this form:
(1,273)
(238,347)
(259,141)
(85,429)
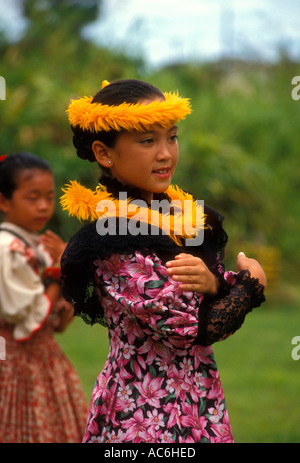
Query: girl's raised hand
(194,275)
(53,244)
(255,269)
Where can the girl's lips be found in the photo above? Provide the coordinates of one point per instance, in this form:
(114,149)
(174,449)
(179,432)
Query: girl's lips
(162,173)
(41,219)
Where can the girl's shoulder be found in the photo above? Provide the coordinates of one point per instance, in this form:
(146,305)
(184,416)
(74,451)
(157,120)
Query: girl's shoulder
(11,238)
(215,237)
(88,243)
(21,245)
(10,242)
(213,216)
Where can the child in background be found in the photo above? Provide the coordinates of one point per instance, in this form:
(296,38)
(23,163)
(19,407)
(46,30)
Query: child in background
(164,297)
(41,400)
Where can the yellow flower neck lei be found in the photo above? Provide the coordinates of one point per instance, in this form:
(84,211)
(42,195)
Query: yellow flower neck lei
(183,219)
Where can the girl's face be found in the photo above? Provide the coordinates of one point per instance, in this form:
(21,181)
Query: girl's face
(32,202)
(144,160)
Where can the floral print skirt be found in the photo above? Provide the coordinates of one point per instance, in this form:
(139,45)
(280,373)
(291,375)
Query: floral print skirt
(172,402)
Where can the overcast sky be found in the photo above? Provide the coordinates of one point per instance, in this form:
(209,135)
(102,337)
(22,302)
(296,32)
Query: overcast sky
(163,31)
(167,30)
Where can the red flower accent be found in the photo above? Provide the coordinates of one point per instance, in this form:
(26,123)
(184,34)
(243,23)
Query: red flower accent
(52,272)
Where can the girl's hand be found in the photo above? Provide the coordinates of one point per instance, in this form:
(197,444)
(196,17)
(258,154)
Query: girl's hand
(255,269)
(53,244)
(193,273)
(63,314)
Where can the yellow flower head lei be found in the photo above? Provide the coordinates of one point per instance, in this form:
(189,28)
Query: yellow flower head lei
(96,117)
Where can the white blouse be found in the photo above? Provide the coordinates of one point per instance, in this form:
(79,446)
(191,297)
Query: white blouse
(23,301)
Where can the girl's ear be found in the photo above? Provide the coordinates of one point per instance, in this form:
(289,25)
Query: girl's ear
(4,204)
(101,152)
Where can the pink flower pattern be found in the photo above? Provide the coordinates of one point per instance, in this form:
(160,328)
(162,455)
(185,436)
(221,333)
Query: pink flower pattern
(157,385)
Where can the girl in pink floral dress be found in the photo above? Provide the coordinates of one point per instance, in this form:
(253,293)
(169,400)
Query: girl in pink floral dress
(163,297)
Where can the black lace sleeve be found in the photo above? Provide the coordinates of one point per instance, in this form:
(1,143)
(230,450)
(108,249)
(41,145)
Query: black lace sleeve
(220,318)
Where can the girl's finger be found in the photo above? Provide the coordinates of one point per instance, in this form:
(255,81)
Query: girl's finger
(186,270)
(190,279)
(184,262)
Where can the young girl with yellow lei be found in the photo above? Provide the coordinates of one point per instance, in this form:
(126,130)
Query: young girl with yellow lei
(159,287)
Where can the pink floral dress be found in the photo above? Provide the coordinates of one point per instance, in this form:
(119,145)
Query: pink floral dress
(160,382)
(157,385)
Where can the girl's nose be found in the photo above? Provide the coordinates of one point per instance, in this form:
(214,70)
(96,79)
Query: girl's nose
(164,152)
(43,204)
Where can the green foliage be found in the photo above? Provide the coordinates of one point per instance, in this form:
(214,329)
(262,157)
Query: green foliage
(238,149)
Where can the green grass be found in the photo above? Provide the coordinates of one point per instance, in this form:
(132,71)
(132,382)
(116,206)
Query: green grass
(260,379)
(87,348)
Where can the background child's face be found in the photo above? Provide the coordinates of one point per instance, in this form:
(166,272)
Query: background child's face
(32,203)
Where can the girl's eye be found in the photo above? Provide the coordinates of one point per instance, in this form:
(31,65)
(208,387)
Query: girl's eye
(174,137)
(146,140)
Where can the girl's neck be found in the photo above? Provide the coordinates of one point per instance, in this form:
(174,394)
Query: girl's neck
(114,187)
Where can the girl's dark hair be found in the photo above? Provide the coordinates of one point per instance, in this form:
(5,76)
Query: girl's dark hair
(13,165)
(114,94)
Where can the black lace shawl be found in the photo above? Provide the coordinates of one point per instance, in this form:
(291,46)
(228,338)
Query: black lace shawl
(218,316)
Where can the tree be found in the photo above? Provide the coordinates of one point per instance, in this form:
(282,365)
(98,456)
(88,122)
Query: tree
(49,65)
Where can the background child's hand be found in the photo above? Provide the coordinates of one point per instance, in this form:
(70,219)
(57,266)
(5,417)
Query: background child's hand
(255,269)
(193,273)
(62,314)
(53,244)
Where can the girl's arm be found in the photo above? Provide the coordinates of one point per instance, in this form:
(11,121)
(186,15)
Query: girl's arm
(53,291)
(24,302)
(220,318)
(223,310)
(195,276)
